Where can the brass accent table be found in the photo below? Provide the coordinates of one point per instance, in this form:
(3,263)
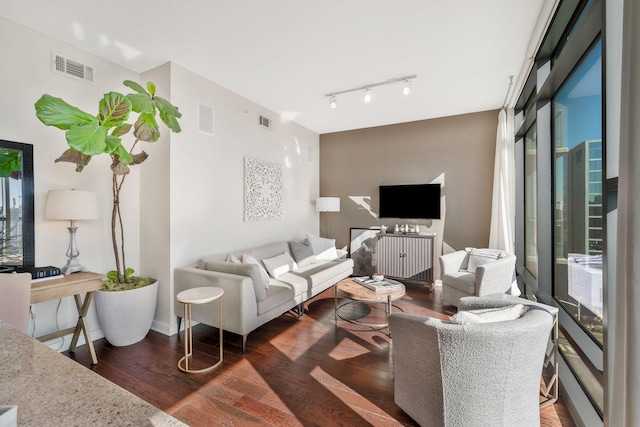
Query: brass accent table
(189,297)
(74,285)
(355,292)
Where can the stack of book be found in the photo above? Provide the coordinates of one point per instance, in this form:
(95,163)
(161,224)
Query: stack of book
(377,285)
(41,273)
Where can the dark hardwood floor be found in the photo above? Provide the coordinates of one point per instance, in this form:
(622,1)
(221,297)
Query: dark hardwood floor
(306,372)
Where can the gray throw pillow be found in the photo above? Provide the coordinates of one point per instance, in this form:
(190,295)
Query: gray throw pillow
(252,271)
(302,252)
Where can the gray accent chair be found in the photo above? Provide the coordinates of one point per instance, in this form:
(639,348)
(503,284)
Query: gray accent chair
(494,277)
(485,374)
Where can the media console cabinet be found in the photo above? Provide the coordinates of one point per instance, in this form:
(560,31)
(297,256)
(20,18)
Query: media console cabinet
(406,256)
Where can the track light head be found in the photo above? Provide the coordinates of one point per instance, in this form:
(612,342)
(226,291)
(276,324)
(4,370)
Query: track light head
(367,95)
(333,102)
(406,88)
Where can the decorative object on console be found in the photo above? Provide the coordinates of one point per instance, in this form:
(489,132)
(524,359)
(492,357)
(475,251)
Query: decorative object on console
(262,190)
(71,205)
(327,204)
(90,135)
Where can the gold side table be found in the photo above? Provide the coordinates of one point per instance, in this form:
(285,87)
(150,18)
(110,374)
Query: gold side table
(188,298)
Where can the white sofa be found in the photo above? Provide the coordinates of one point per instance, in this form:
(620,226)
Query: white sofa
(247,302)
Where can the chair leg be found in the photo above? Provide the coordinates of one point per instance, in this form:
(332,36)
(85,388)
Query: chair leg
(179,323)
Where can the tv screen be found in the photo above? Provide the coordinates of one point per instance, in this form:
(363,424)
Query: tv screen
(415,201)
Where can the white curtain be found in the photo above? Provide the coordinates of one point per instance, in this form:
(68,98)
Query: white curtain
(503,203)
(623,316)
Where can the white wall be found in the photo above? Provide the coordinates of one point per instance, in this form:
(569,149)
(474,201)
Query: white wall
(184,202)
(207,173)
(26,75)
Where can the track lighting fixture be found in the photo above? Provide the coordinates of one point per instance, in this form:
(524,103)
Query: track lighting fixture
(332,102)
(406,89)
(367,95)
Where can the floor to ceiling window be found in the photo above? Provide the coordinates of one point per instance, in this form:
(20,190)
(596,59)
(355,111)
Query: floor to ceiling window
(562,240)
(578,197)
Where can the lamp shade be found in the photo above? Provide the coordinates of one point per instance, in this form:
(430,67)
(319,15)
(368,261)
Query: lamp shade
(71,205)
(328,204)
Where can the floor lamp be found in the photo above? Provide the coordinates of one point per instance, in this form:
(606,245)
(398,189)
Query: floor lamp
(327,204)
(71,205)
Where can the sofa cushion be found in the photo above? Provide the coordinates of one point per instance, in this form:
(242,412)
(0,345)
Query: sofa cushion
(250,270)
(478,257)
(302,252)
(461,280)
(324,249)
(277,294)
(304,279)
(488,315)
(279,264)
(248,259)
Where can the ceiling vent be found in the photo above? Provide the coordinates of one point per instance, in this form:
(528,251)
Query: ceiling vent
(71,68)
(265,122)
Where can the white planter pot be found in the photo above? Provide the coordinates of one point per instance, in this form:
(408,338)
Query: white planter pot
(126,316)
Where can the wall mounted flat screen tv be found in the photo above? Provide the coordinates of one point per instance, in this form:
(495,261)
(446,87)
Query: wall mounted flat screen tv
(412,201)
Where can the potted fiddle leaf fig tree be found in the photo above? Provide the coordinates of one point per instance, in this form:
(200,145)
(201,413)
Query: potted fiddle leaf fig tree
(126,303)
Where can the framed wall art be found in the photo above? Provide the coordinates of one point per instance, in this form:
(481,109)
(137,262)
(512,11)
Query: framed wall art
(262,190)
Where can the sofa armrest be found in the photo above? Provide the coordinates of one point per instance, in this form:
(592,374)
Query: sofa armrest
(239,305)
(495,277)
(452,262)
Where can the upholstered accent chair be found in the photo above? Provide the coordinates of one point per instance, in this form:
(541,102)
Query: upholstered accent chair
(476,272)
(485,374)
(15,301)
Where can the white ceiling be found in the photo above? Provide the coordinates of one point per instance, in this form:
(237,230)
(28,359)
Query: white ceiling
(286,55)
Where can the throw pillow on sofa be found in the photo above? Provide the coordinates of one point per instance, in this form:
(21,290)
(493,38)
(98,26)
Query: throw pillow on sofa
(248,259)
(302,252)
(487,315)
(249,270)
(324,249)
(232,258)
(279,264)
(478,257)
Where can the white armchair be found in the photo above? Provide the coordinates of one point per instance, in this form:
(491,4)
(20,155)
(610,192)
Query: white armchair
(485,374)
(461,278)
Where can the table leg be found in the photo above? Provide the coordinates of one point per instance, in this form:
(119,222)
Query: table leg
(81,325)
(335,303)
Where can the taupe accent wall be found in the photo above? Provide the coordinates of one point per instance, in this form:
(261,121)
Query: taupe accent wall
(457,152)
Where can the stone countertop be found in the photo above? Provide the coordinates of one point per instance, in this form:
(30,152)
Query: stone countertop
(53,390)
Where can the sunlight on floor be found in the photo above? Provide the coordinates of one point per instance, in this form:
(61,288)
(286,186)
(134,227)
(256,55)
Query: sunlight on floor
(347,349)
(350,397)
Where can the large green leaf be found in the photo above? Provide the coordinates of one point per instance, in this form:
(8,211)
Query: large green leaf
(146,128)
(141,103)
(122,129)
(133,85)
(55,112)
(123,154)
(114,109)
(88,139)
(112,143)
(168,113)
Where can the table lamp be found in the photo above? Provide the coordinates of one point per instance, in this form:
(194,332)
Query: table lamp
(71,205)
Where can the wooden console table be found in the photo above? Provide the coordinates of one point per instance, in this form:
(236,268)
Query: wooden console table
(72,285)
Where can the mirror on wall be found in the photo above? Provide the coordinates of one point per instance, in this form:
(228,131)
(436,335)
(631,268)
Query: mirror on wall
(16,205)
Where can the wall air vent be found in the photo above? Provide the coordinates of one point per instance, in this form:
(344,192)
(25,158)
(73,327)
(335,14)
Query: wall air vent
(265,122)
(71,68)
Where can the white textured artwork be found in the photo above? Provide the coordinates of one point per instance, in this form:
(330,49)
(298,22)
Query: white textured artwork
(262,190)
